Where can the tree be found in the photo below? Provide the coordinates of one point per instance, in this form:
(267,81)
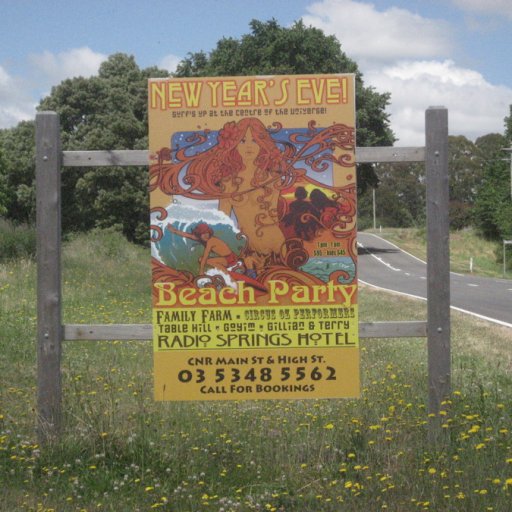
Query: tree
(465,164)
(400,197)
(508,125)
(493,205)
(489,145)
(18,148)
(107,111)
(272,49)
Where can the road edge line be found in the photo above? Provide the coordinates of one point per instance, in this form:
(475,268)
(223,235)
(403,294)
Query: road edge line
(396,246)
(465,311)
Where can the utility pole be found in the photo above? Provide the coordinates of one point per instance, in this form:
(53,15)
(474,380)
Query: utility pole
(505,243)
(374,211)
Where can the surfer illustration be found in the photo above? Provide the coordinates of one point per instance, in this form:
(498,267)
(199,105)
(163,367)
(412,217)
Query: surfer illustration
(203,234)
(226,261)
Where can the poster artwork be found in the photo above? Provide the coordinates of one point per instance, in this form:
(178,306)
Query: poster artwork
(253,237)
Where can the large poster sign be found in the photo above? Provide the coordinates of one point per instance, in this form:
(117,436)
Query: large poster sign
(253,236)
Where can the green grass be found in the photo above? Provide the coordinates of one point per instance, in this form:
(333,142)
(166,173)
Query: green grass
(465,245)
(16,241)
(120,450)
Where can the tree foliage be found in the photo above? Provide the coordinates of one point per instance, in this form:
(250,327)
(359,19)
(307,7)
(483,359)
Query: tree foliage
(4,192)
(508,126)
(465,167)
(18,148)
(107,111)
(493,211)
(271,49)
(399,198)
(493,206)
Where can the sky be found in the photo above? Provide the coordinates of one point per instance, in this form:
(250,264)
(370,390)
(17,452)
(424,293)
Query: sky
(451,53)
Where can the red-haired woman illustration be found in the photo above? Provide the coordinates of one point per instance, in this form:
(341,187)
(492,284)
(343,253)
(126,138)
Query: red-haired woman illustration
(244,172)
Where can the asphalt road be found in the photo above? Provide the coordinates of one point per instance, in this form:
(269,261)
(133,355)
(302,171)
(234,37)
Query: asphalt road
(383,265)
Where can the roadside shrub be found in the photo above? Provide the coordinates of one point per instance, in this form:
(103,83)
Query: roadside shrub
(99,244)
(16,241)
(498,253)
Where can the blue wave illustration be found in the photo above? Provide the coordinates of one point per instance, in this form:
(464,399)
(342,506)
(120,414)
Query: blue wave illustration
(182,253)
(324,267)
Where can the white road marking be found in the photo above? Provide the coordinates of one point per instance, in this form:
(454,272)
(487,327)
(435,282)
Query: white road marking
(483,317)
(405,252)
(379,259)
(493,320)
(396,246)
(386,264)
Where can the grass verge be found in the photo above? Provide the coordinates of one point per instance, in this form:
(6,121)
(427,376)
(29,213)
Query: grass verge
(120,450)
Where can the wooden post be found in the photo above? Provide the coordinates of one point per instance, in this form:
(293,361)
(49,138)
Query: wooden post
(438,263)
(49,327)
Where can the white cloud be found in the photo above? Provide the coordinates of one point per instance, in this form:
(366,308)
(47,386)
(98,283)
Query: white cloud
(369,36)
(53,68)
(486,7)
(408,55)
(15,104)
(475,107)
(170,62)
(47,69)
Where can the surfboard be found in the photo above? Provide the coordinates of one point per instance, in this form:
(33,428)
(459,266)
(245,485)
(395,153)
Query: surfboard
(248,280)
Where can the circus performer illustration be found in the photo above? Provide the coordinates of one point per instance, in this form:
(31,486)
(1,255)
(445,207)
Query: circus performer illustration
(302,219)
(329,209)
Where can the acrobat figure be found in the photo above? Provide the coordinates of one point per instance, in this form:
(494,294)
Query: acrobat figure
(203,234)
(330,210)
(302,219)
